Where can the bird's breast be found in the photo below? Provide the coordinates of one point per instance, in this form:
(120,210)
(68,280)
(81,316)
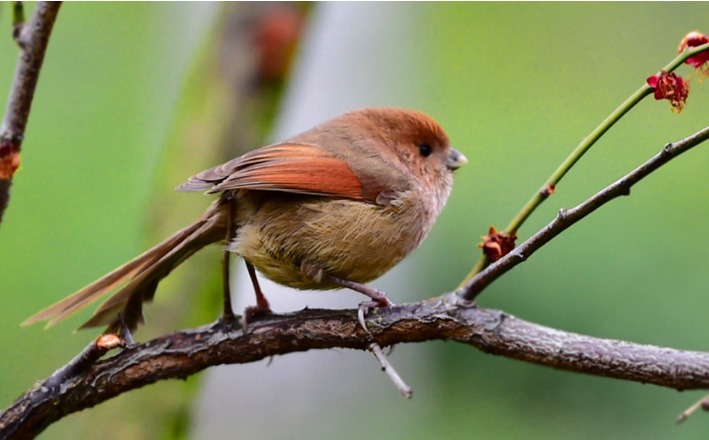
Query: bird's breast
(283,235)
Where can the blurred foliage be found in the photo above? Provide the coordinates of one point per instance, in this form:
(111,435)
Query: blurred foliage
(111,79)
(516,86)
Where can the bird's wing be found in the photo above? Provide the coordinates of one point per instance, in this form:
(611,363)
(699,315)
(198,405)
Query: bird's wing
(291,167)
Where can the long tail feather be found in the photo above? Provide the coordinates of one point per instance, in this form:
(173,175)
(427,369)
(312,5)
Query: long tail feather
(142,274)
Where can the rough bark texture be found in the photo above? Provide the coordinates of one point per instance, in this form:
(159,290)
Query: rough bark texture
(181,354)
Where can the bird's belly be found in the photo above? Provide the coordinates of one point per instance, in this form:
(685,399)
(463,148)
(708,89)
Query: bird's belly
(348,239)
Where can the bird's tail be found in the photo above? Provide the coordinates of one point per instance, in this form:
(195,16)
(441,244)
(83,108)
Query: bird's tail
(141,276)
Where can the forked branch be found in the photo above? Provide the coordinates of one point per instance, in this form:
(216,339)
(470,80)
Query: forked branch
(183,353)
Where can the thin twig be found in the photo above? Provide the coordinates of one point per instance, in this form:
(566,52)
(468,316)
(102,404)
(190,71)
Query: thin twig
(378,353)
(388,368)
(32,38)
(702,403)
(567,218)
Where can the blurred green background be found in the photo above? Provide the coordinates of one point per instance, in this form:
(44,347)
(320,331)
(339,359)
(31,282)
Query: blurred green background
(131,101)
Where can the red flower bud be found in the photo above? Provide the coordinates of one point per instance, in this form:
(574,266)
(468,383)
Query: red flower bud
(699,61)
(670,87)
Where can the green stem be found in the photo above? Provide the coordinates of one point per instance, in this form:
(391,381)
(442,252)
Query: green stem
(548,188)
(574,157)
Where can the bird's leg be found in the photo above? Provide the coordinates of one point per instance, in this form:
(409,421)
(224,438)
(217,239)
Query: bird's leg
(261,301)
(379,297)
(228,316)
(262,307)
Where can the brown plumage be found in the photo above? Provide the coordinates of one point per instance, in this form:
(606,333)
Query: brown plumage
(335,206)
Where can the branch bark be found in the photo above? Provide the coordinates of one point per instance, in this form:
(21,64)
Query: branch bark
(32,38)
(183,353)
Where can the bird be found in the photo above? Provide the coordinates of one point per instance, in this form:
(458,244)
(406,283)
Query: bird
(333,207)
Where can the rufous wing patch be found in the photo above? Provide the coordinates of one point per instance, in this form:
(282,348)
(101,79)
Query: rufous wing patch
(295,168)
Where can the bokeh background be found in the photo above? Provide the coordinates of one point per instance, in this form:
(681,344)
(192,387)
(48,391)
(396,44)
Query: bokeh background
(134,98)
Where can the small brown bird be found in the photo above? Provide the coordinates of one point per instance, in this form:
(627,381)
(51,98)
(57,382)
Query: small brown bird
(336,206)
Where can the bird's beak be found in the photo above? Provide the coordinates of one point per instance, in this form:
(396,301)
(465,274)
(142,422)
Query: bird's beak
(456,159)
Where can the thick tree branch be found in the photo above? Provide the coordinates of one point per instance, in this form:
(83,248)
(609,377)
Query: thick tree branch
(32,38)
(181,354)
(566,218)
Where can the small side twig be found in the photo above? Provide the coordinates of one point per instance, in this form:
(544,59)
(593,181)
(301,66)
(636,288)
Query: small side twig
(32,38)
(18,20)
(387,367)
(702,403)
(566,218)
(399,383)
(81,362)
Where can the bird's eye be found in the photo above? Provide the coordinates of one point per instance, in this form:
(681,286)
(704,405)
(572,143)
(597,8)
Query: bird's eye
(425,150)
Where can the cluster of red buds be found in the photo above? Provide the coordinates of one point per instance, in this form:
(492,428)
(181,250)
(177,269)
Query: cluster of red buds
(674,88)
